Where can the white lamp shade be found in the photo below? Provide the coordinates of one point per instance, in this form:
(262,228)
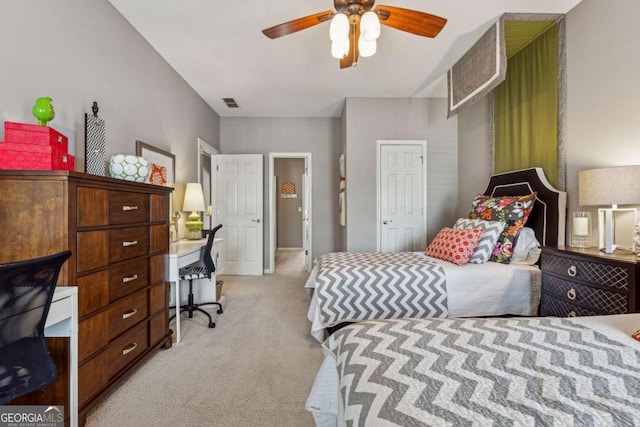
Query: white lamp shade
(339,29)
(340,48)
(367,47)
(193,198)
(609,186)
(370,26)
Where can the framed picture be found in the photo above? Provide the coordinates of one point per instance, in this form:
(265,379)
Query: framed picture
(162,163)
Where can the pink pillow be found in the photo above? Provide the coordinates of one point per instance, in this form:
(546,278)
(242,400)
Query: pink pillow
(455,246)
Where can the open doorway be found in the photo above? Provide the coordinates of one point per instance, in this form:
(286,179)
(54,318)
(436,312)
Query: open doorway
(290,211)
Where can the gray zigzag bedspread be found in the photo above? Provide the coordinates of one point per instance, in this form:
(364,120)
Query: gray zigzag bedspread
(506,372)
(354,286)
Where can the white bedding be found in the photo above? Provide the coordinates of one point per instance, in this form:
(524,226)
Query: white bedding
(324,402)
(489,289)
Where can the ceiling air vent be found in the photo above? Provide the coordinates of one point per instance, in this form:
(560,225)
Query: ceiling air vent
(231,103)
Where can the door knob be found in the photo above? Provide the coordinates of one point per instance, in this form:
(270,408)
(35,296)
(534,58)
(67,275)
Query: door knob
(387,221)
(256,220)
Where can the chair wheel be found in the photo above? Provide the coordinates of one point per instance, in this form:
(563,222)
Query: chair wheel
(219,311)
(212,325)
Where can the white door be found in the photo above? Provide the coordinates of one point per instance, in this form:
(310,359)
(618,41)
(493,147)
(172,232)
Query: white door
(401,196)
(239,211)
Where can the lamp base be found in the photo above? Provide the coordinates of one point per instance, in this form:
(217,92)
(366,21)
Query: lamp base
(194,225)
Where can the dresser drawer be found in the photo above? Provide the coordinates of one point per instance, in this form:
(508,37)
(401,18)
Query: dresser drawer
(599,273)
(128,208)
(599,300)
(126,243)
(127,278)
(551,306)
(92,210)
(126,312)
(93,292)
(94,377)
(127,347)
(93,250)
(93,334)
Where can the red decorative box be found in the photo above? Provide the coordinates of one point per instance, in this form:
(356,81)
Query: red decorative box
(34,157)
(24,133)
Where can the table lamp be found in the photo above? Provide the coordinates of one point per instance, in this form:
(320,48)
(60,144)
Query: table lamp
(194,202)
(609,186)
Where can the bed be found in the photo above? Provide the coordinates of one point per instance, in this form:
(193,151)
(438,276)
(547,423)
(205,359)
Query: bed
(489,371)
(360,286)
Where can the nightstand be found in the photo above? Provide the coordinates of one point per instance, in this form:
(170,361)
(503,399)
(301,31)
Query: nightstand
(587,282)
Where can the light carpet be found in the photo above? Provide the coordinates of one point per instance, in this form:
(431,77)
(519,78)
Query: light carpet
(255,368)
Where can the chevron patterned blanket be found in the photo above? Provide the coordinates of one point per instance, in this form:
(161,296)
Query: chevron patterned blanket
(354,286)
(506,372)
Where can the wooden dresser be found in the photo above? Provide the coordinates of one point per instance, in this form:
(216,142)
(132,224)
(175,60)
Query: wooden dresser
(118,232)
(586,282)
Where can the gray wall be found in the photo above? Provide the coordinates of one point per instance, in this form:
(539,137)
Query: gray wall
(318,136)
(603,63)
(288,211)
(372,119)
(473,154)
(77,52)
(603,100)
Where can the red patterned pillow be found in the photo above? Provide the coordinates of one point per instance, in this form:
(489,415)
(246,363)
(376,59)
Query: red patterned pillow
(455,246)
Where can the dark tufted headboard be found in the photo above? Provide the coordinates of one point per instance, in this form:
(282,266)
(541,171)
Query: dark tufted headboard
(548,217)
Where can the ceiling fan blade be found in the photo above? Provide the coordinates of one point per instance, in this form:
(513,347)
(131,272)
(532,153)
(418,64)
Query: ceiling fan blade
(351,59)
(297,24)
(411,21)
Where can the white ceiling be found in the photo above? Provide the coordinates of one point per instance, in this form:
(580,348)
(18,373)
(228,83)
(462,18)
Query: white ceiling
(219,49)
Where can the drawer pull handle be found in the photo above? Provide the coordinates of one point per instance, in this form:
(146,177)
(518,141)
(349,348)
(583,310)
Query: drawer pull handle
(129,208)
(129,313)
(129,348)
(571,293)
(129,243)
(59,139)
(572,313)
(572,271)
(129,279)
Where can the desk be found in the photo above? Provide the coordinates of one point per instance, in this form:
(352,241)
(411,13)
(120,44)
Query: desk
(62,321)
(181,254)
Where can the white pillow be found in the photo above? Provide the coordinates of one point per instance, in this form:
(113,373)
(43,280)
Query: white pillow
(527,250)
(490,233)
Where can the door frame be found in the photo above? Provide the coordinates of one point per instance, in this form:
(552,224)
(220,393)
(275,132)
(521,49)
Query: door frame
(211,151)
(379,144)
(272,207)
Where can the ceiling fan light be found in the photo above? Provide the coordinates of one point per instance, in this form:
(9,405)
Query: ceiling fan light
(367,47)
(340,49)
(339,29)
(370,26)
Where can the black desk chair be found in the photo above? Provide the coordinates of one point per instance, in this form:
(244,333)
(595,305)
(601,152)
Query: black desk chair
(26,291)
(192,273)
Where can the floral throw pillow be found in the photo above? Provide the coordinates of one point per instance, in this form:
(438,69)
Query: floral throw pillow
(512,210)
(455,246)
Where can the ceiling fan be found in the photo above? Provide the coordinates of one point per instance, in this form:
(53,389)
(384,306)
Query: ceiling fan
(355,26)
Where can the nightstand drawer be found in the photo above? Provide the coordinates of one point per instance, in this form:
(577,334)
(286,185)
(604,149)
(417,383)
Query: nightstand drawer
(551,306)
(597,299)
(597,273)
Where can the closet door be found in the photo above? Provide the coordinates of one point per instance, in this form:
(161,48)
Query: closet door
(401,196)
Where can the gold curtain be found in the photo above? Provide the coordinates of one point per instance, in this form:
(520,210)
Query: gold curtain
(526,109)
